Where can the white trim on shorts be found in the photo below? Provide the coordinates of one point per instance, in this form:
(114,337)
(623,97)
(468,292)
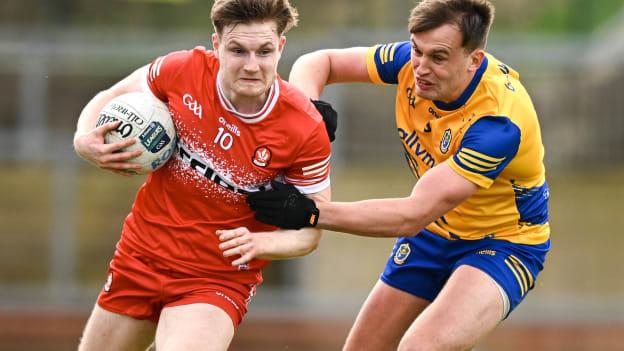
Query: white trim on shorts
(506,305)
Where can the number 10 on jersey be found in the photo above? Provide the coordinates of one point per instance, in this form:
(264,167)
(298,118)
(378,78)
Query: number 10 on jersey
(224,139)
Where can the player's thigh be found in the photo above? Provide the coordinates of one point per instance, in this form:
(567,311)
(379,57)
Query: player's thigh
(192,327)
(468,308)
(383,319)
(106,330)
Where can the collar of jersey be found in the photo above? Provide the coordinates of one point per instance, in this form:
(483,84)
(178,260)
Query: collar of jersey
(454,105)
(250,117)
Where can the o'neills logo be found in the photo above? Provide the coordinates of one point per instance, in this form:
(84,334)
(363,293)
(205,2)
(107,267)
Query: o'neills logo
(262,156)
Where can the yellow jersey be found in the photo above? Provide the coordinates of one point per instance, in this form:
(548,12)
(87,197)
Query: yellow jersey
(490,135)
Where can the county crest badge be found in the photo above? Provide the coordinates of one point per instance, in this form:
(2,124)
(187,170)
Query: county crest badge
(262,156)
(446,141)
(402,253)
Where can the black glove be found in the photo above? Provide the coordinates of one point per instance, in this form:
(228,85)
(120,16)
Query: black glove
(284,206)
(330,117)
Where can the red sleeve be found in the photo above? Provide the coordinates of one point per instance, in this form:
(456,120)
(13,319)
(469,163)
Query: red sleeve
(164,70)
(310,170)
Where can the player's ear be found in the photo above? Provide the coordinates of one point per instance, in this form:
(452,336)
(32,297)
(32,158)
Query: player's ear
(215,41)
(476,59)
(280,46)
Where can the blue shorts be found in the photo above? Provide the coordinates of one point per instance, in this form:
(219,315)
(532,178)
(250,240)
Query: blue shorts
(422,264)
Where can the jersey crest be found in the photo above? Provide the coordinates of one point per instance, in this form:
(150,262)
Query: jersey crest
(262,156)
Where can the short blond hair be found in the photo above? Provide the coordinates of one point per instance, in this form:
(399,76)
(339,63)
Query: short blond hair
(228,12)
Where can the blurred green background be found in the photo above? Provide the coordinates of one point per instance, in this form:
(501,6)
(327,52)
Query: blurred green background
(60,217)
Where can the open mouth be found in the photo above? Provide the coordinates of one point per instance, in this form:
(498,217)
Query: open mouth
(423,84)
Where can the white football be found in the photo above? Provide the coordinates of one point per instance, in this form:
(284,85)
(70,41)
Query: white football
(145,119)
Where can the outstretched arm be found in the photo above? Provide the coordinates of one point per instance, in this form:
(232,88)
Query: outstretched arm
(276,245)
(312,72)
(438,191)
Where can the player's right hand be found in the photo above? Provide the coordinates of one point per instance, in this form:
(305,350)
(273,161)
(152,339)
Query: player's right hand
(240,242)
(91,147)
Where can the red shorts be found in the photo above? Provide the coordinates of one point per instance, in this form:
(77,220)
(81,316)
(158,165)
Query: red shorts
(138,287)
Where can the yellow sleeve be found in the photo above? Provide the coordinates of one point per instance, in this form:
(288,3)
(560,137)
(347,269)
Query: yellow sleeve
(480,180)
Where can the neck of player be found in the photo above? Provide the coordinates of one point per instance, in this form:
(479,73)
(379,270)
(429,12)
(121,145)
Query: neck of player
(246,104)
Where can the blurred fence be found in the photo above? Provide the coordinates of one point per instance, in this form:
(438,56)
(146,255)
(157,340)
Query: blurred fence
(48,74)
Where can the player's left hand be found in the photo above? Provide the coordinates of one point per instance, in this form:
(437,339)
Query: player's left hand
(284,206)
(330,117)
(240,242)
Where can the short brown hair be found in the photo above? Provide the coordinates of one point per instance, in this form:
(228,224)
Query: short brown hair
(473,18)
(228,12)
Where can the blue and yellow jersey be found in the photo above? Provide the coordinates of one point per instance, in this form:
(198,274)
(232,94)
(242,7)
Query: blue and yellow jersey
(490,135)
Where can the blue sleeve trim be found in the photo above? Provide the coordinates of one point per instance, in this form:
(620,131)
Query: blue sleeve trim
(532,204)
(390,59)
(488,146)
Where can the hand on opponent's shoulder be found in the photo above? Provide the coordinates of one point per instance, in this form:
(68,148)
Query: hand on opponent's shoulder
(330,117)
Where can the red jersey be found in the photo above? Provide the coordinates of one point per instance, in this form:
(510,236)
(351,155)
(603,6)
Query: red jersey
(222,155)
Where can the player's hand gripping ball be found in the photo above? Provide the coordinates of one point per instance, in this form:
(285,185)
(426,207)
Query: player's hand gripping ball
(145,119)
